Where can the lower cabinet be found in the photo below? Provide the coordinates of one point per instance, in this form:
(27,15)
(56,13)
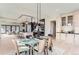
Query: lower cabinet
(63,36)
(58,36)
(70,38)
(76,40)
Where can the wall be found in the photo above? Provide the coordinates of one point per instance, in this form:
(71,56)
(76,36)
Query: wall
(8,21)
(51,27)
(47,27)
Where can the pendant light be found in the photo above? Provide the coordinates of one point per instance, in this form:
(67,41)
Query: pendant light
(38,17)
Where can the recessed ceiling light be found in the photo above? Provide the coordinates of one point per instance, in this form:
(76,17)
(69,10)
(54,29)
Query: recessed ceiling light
(57,9)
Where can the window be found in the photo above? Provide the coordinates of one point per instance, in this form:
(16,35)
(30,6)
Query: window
(17,29)
(70,20)
(3,29)
(13,29)
(9,28)
(63,21)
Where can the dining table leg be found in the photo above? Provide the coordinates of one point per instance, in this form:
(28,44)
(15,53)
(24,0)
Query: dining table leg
(29,49)
(32,50)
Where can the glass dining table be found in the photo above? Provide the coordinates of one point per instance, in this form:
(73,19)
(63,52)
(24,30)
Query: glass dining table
(31,42)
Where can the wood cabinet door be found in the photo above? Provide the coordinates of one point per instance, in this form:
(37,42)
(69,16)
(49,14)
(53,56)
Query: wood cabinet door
(76,40)
(70,38)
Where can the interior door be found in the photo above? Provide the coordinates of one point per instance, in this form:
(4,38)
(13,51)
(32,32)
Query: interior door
(53,28)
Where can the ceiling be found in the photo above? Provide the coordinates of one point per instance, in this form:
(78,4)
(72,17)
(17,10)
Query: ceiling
(48,10)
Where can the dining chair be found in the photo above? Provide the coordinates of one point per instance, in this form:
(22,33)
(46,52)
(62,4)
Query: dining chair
(6,43)
(19,48)
(27,34)
(49,44)
(22,47)
(40,48)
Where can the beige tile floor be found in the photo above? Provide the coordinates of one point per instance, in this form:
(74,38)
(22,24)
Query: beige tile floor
(68,48)
(60,48)
(6,46)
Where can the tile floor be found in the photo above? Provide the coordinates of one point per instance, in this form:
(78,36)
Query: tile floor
(59,48)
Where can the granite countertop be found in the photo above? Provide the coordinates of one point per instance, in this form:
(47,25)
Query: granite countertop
(68,33)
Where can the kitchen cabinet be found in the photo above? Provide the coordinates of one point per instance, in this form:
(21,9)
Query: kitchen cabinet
(70,38)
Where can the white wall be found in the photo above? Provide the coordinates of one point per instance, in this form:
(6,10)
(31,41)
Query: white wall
(76,22)
(8,21)
(51,27)
(48,26)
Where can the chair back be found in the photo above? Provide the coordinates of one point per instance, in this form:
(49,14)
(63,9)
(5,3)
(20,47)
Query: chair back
(6,44)
(41,45)
(27,34)
(49,42)
(15,46)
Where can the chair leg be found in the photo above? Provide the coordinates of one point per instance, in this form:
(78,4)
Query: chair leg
(29,49)
(46,51)
(50,49)
(15,53)
(25,52)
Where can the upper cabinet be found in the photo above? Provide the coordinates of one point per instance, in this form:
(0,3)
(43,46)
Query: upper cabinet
(67,24)
(67,20)
(70,20)
(63,21)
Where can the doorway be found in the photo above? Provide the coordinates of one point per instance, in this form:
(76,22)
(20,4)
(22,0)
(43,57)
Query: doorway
(53,28)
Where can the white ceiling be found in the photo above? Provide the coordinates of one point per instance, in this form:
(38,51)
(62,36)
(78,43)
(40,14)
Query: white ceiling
(48,10)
